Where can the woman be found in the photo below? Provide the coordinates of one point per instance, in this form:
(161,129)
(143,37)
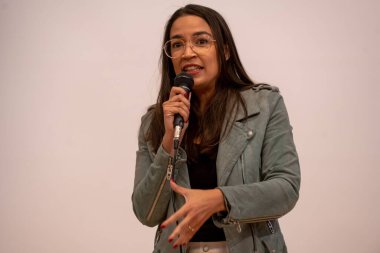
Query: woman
(236,170)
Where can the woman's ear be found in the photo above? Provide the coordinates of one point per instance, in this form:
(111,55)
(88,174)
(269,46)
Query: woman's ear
(226,52)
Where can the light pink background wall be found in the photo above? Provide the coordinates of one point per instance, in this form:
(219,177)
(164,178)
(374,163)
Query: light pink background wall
(75,77)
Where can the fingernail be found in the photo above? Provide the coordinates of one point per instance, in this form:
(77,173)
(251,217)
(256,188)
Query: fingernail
(175,246)
(170,240)
(162,226)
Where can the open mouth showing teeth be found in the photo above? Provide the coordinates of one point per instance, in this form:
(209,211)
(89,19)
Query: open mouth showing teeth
(191,68)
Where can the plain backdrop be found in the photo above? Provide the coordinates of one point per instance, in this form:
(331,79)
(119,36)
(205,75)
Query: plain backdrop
(77,75)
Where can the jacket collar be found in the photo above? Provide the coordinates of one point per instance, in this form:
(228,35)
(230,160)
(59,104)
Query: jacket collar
(233,145)
(251,104)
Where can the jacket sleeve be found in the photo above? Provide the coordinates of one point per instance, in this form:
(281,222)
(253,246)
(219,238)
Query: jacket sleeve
(151,191)
(278,189)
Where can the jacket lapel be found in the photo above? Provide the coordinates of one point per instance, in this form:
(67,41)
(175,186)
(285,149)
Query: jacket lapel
(233,144)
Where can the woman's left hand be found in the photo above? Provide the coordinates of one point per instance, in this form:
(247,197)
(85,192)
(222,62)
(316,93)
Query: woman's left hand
(199,207)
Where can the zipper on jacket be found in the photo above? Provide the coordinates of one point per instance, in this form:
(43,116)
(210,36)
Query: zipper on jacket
(267,218)
(156,199)
(252,227)
(270,226)
(158,236)
(242,160)
(169,172)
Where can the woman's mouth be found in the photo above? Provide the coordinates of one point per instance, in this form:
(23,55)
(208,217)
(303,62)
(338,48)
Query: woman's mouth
(192,69)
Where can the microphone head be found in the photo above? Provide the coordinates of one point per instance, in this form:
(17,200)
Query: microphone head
(184,81)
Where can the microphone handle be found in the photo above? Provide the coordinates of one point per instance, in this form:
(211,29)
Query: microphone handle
(178,121)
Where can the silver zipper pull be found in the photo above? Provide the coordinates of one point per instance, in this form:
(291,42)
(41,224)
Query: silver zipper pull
(169,169)
(238,227)
(169,172)
(237,224)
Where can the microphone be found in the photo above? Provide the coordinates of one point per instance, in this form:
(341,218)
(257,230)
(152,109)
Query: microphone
(186,82)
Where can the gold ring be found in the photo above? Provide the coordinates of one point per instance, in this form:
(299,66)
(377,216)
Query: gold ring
(190,228)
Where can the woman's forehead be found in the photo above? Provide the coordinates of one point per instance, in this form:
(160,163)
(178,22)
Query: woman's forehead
(190,25)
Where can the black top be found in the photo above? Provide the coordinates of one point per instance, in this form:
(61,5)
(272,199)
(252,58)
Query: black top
(202,173)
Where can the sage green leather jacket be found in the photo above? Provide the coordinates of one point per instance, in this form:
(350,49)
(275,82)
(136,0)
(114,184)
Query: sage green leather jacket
(257,169)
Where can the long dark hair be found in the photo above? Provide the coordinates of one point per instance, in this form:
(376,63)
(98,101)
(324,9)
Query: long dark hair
(209,126)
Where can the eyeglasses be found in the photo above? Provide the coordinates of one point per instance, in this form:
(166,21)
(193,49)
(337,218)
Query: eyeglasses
(200,44)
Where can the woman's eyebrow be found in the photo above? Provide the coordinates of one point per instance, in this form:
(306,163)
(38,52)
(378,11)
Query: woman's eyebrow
(179,36)
(201,33)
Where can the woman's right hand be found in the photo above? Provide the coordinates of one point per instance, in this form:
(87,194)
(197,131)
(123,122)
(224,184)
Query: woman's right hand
(178,102)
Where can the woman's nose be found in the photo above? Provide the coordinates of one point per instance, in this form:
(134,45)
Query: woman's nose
(188,50)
